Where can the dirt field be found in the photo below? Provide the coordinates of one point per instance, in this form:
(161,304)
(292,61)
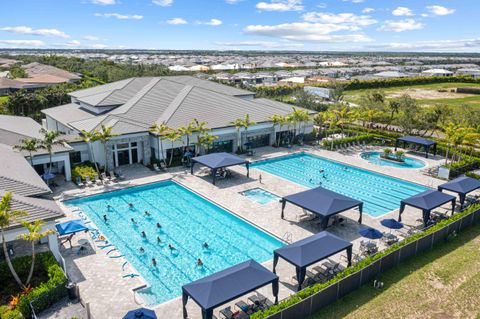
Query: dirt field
(428,94)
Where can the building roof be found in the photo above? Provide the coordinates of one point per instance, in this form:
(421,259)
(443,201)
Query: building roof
(6,83)
(18,176)
(37,208)
(42,79)
(36,68)
(173,100)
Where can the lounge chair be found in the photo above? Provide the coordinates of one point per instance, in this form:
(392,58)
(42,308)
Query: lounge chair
(88,182)
(119,174)
(156,168)
(243,306)
(79,182)
(113,178)
(105,178)
(229,314)
(260,301)
(97,180)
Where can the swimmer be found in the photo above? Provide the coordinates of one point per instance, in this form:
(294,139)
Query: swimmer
(205,245)
(130,205)
(322,170)
(311,180)
(105,218)
(199,262)
(133,221)
(143,234)
(154,262)
(142,250)
(159,240)
(109,207)
(147,213)
(171,247)
(159,226)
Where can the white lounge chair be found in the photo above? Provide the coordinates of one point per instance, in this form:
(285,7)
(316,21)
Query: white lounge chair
(156,168)
(105,178)
(113,178)
(97,180)
(88,182)
(79,182)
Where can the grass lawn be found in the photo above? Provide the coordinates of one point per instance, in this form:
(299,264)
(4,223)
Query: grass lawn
(442,283)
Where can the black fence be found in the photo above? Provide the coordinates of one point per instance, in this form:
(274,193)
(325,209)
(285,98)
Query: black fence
(332,293)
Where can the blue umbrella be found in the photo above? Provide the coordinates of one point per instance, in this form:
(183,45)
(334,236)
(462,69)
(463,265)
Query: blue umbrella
(391,223)
(371,233)
(188,154)
(48,176)
(140,313)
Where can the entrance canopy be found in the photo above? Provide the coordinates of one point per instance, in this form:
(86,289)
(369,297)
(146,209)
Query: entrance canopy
(426,201)
(427,144)
(462,186)
(217,161)
(226,285)
(71,227)
(310,250)
(323,202)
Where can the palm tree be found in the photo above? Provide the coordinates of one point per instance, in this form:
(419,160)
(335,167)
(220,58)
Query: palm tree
(173,136)
(29,145)
(394,107)
(238,123)
(206,140)
(200,128)
(161,130)
(450,130)
(104,136)
(89,138)
(277,120)
(295,116)
(343,116)
(49,140)
(187,131)
(246,124)
(7,217)
(34,234)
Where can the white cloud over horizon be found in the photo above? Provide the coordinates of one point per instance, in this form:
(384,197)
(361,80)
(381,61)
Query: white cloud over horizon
(401,26)
(104,2)
(119,16)
(402,11)
(177,21)
(38,32)
(22,43)
(437,10)
(211,22)
(280,5)
(163,3)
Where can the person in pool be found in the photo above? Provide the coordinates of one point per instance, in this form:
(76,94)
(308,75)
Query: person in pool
(130,205)
(205,245)
(147,213)
(171,247)
(143,234)
(199,262)
(105,219)
(133,221)
(154,262)
(142,250)
(159,226)
(159,240)
(109,207)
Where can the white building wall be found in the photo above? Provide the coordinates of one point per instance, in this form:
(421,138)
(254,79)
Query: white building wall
(63,160)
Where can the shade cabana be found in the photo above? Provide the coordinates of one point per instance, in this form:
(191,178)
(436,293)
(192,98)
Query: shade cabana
(462,186)
(217,161)
(227,285)
(69,228)
(426,201)
(322,202)
(427,144)
(310,250)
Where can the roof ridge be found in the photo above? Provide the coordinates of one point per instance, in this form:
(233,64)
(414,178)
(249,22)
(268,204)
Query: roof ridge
(134,100)
(115,90)
(22,182)
(15,198)
(128,81)
(172,107)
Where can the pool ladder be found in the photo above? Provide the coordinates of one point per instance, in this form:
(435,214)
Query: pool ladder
(287,237)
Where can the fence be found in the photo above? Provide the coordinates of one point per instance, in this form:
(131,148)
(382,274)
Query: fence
(332,293)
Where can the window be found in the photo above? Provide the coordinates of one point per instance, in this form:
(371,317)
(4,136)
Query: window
(75,157)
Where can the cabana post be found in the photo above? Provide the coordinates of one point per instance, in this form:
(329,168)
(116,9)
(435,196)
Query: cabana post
(310,250)
(462,186)
(216,161)
(322,202)
(427,201)
(427,144)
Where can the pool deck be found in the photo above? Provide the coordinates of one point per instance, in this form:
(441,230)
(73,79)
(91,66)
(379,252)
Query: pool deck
(110,296)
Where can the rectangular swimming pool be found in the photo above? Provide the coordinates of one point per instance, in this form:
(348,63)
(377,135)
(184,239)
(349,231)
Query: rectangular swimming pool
(187,221)
(379,193)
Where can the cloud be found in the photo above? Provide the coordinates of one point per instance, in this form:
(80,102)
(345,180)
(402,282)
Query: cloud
(163,3)
(402,11)
(349,19)
(22,43)
(212,22)
(73,43)
(401,26)
(233,1)
(39,32)
(90,38)
(262,44)
(306,31)
(120,16)
(280,5)
(177,21)
(99,46)
(460,45)
(104,2)
(439,10)
(354,1)
(368,10)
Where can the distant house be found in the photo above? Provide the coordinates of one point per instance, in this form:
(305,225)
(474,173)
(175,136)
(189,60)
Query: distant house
(390,74)
(44,71)
(437,72)
(469,72)
(131,106)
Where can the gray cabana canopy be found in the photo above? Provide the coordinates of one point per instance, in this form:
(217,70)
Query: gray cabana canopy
(427,144)
(426,201)
(216,161)
(462,186)
(323,202)
(226,285)
(310,250)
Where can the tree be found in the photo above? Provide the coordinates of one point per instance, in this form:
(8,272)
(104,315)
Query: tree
(409,114)
(89,138)
(49,140)
(343,116)
(206,141)
(34,234)
(298,117)
(238,123)
(161,130)
(246,124)
(394,107)
(200,128)
(187,131)
(16,71)
(173,136)
(336,91)
(29,145)
(7,217)
(104,136)
(280,121)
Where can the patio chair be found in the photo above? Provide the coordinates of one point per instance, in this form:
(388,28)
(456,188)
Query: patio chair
(119,174)
(113,178)
(97,180)
(229,314)
(245,307)
(260,301)
(368,247)
(78,181)
(88,182)
(155,167)
(105,178)
(389,238)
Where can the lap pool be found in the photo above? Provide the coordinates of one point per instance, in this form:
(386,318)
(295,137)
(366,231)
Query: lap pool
(187,221)
(380,193)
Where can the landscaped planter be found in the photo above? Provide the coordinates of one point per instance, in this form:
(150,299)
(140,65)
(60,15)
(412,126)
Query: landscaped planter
(424,243)
(324,297)
(407,251)
(476,216)
(389,261)
(440,235)
(349,284)
(466,222)
(370,272)
(393,159)
(454,227)
(299,310)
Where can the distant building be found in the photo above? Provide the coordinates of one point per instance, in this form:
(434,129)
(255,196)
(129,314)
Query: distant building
(469,72)
(390,74)
(437,72)
(324,93)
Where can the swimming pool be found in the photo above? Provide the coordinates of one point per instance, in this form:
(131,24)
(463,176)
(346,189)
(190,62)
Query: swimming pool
(187,221)
(374,158)
(260,195)
(379,193)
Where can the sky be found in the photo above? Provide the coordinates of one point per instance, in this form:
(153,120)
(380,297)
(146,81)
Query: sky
(303,25)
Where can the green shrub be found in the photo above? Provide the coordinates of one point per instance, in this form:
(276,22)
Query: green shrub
(6,313)
(360,138)
(83,170)
(472,175)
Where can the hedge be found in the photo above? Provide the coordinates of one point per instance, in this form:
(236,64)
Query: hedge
(6,313)
(83,170)
(309,291)
(46,293)
(360,138)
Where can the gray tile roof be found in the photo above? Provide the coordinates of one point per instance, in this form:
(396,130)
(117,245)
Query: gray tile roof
(18,176)
(37,208)
(36,68)
(68,113)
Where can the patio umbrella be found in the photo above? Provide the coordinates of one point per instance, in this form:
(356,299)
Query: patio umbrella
(188,154)
(391,223)
(371,233)
(140,313)
(48,176)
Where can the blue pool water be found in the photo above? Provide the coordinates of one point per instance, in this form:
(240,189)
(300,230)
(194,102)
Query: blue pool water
(188,220)
(374,158)
(379,193)
(260,195)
